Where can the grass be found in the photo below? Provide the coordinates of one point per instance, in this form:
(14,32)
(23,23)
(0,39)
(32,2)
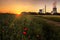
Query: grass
(35,24)
(52,17)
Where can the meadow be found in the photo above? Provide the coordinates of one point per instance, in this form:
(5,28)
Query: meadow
(52,17)
(12,27)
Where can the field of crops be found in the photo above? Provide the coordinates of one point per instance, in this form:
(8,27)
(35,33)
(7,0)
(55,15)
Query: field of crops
(12,28)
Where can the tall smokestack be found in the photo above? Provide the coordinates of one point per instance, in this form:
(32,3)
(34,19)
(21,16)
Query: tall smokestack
(45,8)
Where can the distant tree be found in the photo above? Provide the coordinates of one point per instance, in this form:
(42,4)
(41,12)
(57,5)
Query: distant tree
(47,13)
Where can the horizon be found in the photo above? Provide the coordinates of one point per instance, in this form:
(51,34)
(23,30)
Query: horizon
(18,6)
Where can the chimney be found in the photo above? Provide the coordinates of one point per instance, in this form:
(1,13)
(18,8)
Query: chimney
(45,8)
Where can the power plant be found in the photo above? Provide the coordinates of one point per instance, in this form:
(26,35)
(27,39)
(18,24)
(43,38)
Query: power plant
(43,11)
(54,9)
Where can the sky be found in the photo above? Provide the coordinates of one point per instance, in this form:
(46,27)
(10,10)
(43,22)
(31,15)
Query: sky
(18,6)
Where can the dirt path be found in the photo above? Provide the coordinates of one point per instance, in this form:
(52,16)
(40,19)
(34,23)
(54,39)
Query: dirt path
(52,22)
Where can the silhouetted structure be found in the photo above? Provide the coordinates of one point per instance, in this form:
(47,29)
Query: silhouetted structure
(53,12)
(54,8)
(45,8)
(40,11)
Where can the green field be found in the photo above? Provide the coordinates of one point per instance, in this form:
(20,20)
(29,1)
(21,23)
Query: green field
(52,17)
(11,27)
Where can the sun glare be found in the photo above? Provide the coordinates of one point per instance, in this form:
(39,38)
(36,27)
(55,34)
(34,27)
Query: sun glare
(18,12)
